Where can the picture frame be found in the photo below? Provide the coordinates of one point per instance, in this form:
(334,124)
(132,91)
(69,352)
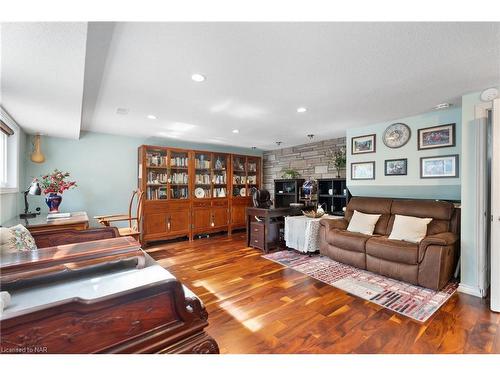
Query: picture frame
(436,137)
(363,170)
(363,144)
(396,167)
(445,166)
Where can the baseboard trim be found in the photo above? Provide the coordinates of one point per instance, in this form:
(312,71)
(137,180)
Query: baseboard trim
(468,289)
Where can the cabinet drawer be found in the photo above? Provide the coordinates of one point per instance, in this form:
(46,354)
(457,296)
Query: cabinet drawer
(257,241)
(201,203)
(219,203)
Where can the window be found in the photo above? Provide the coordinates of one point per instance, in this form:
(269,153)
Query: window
(9,154)
(3,156)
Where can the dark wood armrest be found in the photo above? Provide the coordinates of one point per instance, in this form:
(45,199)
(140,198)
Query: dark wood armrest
(330,224)
(59,237)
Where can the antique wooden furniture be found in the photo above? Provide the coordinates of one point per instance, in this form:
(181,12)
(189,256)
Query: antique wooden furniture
(39,224)
(191,192)
(333,195)
(25,265)
(287,191)
(63,237)
(134,219)
(263,236)
(126,310)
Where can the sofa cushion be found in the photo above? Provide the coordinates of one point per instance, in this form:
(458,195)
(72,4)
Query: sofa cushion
(347,240)
(392,250)
(370,205)
(409,228)
(363,223)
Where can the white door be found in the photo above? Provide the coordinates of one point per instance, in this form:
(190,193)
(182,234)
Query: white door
(495,208)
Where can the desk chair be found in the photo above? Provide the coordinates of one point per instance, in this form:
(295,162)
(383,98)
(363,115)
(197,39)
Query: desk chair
(134,222)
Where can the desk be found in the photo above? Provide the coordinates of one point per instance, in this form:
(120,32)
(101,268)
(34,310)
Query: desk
(267,214)
(77,221)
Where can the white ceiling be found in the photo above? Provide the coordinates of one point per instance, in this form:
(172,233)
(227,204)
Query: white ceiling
(41,68)
(346,74)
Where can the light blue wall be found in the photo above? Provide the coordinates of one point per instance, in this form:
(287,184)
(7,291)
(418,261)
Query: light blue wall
(12,204)
(469,247)
(411,185)
(105,168)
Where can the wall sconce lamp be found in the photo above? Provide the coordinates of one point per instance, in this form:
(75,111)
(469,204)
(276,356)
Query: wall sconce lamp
(37,156)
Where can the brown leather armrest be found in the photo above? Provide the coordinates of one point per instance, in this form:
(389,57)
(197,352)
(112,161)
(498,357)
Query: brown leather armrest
(443,239)
(440,239)
(334,223)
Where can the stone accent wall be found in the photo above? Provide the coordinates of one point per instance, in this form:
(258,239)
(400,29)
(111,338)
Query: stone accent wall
(307,159)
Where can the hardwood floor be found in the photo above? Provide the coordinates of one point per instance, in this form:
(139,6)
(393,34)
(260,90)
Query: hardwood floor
(258,306)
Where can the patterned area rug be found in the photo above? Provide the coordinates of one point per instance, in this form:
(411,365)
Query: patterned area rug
(412,301)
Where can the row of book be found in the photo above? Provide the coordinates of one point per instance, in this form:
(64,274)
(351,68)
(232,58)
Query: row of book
(179,193)
(201,164)
(156,193)
(156,160)
(179,178)
(179,161)
(202,179)
(157,178)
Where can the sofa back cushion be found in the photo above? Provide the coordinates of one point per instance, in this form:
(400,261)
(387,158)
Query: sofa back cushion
(441,213)
(370,205)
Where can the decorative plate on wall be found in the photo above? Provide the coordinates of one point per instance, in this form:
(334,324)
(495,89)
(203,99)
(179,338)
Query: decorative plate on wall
(396,135)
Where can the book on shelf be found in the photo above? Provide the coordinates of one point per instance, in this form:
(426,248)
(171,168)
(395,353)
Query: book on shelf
(156,159)
(201,163)
(179,161)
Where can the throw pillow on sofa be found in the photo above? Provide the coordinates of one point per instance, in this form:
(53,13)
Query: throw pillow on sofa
(409,228)
(16,238)
(363,223)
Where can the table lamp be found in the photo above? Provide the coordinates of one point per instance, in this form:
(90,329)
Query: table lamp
(34,189)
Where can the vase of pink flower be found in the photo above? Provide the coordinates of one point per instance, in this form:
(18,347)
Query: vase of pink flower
(53,185)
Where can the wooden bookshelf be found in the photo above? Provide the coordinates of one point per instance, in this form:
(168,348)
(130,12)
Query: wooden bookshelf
(190,192)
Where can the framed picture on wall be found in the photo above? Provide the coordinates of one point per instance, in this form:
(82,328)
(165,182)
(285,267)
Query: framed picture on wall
(439,166)
(363,144)
(363,170)
(436,137)
(396,167)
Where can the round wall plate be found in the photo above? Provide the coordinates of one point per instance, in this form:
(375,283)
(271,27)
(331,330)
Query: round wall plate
(396,135)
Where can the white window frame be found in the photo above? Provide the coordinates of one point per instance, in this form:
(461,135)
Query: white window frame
(12,156)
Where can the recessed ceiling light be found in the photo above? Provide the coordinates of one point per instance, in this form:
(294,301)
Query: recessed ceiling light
(122,111)
(236,131)
(301,109)
(443,106)
(197,77)
(151,117)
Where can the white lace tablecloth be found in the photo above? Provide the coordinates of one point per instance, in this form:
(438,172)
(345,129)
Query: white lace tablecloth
(302,232)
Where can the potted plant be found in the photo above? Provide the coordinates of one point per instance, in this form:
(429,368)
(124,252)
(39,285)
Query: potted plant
(289,173)
(53,185)
(337,159)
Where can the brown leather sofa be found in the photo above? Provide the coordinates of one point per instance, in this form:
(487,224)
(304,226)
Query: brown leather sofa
(429,264)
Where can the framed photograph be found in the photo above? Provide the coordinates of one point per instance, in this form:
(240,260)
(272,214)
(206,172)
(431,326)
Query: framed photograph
(363,144)
(439,166)
(396,167)
(436,137)
(363,170)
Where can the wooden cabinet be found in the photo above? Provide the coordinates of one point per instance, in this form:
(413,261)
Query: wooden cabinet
(220,216)
(238,213)
(191,192)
